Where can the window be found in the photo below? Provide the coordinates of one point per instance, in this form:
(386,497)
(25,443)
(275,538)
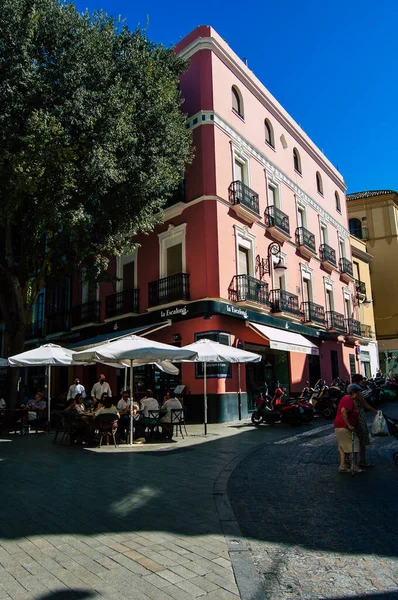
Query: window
(347,307)
(214,370)
(273,196)
(126,272)
(240,171)
(329,300)
(355,268)
(237,103)
(296,160)
(342,248)
(269,133)
(337,198)
(307,290)
(300,217)
(243,261)
(324,234)
(172,251)
(319,185)
(355,228)
(334,359)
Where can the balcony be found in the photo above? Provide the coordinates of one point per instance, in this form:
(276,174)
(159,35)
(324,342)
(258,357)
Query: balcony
(169,289)
(346,273)
(34,330)
(58,322)
(328,258)
(305,241)
(245,288)
(244,201)
(353,328)
(125,302)
(366,332)
(360,289)
(84,314)
(277,224)
(335,322)
(284,302)
(312,313)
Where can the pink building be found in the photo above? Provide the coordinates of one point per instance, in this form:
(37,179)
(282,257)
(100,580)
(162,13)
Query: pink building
(253,251)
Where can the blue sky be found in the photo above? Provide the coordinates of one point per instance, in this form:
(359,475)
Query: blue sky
(332,64)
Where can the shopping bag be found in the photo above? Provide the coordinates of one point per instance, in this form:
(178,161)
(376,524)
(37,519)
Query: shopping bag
(379,425)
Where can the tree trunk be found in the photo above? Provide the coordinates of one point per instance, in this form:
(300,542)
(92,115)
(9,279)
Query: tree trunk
(16,344)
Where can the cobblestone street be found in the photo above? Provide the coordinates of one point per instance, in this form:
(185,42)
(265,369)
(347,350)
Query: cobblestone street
(315,533)
(156,523)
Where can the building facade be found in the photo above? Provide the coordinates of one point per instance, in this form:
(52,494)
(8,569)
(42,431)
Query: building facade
(373,216)
(254,251)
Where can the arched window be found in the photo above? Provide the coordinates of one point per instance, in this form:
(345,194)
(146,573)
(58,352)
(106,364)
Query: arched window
(296,160)
(355,226)
(237,103)
(269,133)
(319,185)
(338,205)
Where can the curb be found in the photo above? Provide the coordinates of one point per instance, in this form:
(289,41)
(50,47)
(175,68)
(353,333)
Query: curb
(247,577)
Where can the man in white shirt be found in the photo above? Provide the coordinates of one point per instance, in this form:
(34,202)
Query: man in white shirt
(165,414)
(148,403)
(76,388)
(99,388)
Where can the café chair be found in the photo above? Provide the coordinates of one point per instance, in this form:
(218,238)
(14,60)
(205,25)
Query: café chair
(107,426)
(178,421)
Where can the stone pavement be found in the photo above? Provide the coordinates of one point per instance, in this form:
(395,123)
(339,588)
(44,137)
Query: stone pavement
(315,533)
(141,523)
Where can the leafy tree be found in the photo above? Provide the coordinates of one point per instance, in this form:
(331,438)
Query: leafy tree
(92,143)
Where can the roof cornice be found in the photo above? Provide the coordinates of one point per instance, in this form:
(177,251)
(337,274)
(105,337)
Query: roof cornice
(267,100)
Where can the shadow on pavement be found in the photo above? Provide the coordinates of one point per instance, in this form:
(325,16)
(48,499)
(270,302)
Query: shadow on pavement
(383,596)
(278,493)
(68,595)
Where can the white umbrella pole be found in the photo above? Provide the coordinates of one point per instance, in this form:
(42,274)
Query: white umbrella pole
(49,395)
(205,395)
(125,378)
(239,396)
(131,405)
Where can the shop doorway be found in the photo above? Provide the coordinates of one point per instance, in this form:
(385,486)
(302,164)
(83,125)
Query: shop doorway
(273,370)
(314,365)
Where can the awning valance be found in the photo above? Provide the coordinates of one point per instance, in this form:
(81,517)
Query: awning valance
(282,339)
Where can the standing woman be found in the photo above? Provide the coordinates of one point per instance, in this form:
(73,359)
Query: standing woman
(344,425)
(362,429)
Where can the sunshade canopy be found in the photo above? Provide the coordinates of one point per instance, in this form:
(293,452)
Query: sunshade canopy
(213,352)
(47,355)
(133,348)
(282,339)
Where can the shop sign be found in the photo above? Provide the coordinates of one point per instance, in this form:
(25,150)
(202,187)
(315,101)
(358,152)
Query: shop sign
(235,310)
(173,312)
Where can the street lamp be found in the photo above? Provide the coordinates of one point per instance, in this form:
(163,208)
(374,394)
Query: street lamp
(274,249)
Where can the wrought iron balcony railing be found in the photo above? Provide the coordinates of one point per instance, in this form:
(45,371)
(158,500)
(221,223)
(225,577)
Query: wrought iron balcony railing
(245,287)
(335,321)
(239,193)
(127,301)
(346,266)
(90,312)
(169,289)
(366,331)
(283,301)
(360,287)
(305,238)
(276,218)
(353,327)
(328,254)
(58,322)
(34,330)
(312,313)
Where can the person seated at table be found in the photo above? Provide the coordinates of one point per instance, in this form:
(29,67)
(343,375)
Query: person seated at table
(165,398)
(165,414)
(108,407)
(36,409)
(124,408)
(148,403)
(79,403)
(3,404)
(78,423)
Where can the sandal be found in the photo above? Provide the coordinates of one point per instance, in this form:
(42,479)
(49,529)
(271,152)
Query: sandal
(344,470)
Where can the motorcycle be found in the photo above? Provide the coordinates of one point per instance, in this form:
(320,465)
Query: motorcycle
(325,399)
(274,411)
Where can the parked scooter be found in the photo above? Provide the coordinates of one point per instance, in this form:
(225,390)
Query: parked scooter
(325,399)
(274,411)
